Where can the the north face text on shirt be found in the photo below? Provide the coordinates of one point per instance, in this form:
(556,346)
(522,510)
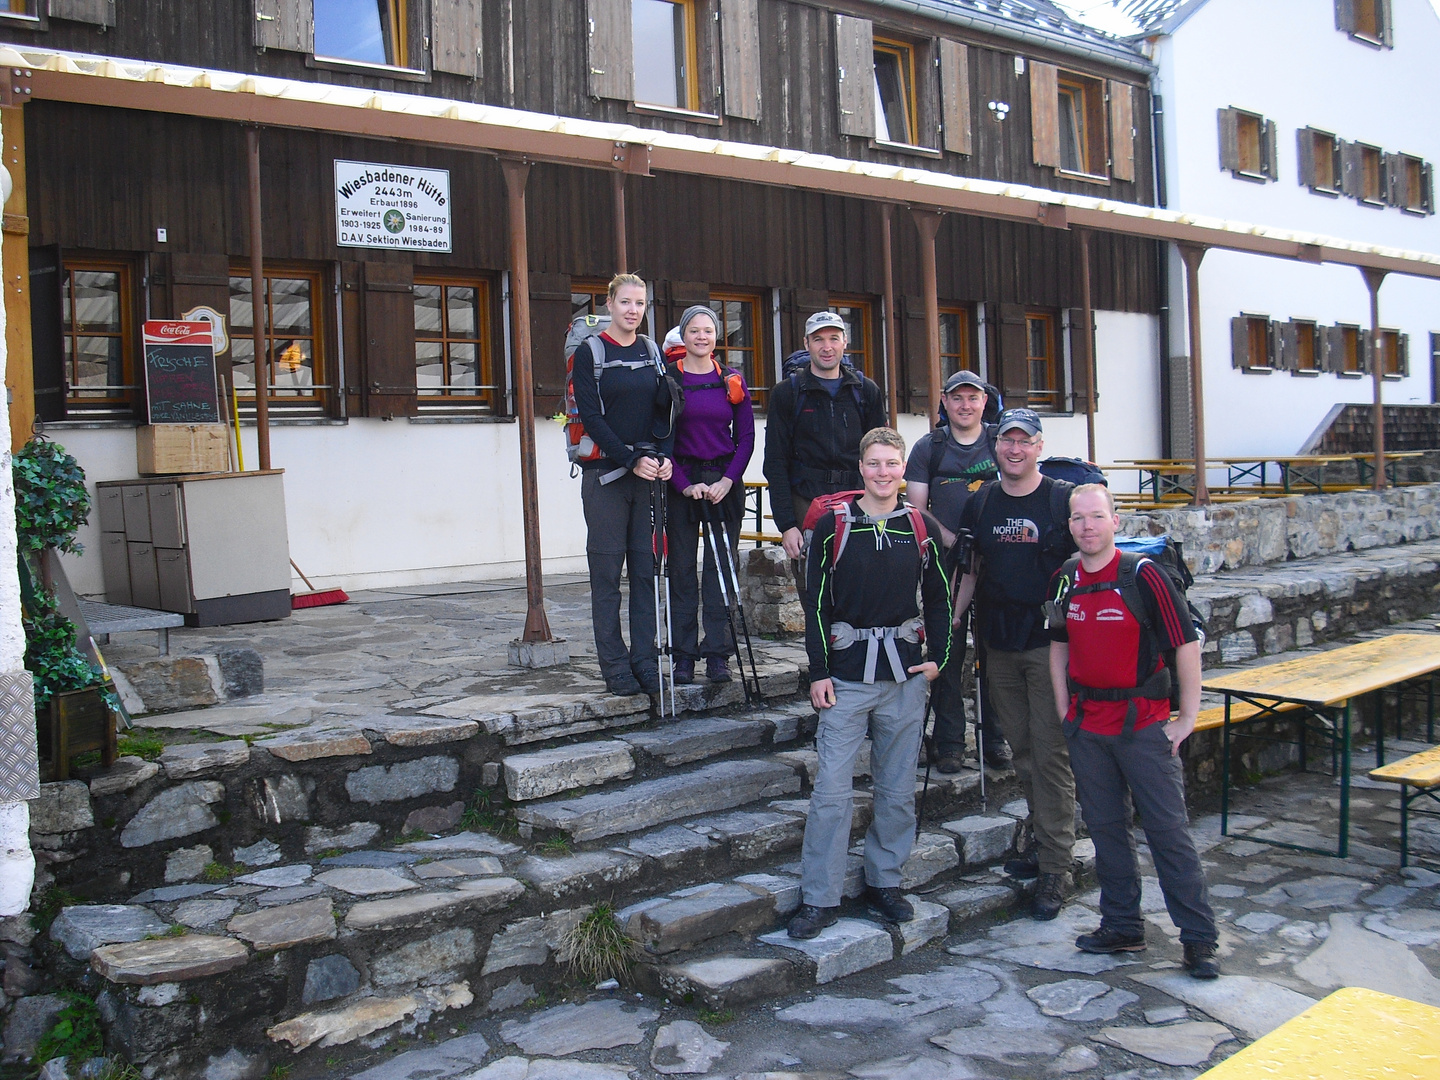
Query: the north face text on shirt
(1016,530)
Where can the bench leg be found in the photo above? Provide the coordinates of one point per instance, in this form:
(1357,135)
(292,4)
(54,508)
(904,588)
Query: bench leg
(1345,784)
(1225,771)
(1404,827)
(164,642)
(1380,722)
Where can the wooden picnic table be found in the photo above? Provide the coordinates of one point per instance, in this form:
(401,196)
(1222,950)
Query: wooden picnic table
(1317,691)
(1354,1033)
(1365,463)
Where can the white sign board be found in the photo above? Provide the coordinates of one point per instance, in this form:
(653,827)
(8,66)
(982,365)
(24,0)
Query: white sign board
(391,206)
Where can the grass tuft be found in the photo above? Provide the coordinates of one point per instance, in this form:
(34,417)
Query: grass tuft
(715,1017)
(559,844)
(148,747)
(218,873)
(598,948)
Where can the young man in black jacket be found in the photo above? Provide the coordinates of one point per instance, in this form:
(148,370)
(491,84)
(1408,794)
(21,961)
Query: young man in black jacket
(813,430)
(864,633)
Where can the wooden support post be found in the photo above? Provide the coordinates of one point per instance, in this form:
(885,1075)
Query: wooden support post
(537,626)
(892,339)
(928,224)
(1373,280)
(622,258)
(258,308)
(15,260)
(1088,335)
(1192,254)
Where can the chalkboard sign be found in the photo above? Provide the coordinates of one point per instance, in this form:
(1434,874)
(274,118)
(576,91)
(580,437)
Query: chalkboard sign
(180,385)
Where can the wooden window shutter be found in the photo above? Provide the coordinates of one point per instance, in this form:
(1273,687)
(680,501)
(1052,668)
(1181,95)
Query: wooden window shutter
(803,304)
(197,280)
(1122,131)
(1427,188)
(855,75)
(1305,155)
(683,294)
(610,49)
(549,323)
(352,335)
(1240,343)
(1387,23)
(1402,348)
(455,36)
(1269,150)
(1396,187)
(915,380)
(740,57)
(1045,113)
(1332,341)
(955,96)
(1367,350)
(389,340)
(1072,375)
(46,347)
(285,24)
(1287,346)
(1345,15)
(1014,365)
(94,12)
(1229,122)
(1352,172)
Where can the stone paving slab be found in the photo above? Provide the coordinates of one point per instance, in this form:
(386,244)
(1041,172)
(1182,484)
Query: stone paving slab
(147,963)
(850,945)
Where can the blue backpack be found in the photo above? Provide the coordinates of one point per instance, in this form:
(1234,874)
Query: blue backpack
(1073,470)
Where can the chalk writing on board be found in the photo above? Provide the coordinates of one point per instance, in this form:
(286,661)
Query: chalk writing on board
(181,384)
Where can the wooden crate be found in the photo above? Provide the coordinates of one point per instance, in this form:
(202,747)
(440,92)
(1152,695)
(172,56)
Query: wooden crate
(172,449)
(75,722)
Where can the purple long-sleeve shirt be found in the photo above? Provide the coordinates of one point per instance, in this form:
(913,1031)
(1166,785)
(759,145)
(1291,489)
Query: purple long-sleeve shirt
(711,428)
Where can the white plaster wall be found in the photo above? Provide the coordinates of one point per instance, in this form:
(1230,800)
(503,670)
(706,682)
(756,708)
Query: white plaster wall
(1292,66)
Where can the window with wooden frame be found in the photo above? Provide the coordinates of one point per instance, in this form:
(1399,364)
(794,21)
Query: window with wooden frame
(666,57)
(1392,350)
(1345,350)
(1251,345)
(1248,145)
(856,314)
(1043,361)
(292,318)
(97,334)
(955,347)
(452,343)
(1370,186)
(1411,182)
(1321,166)
(738,344)
(1081,114)
(588,298)
(1301,347)
(374,32)
(28,10)
(896,118)
(1369,21)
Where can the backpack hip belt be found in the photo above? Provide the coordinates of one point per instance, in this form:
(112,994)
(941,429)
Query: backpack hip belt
(824,476)
(1155,688)
(843,636)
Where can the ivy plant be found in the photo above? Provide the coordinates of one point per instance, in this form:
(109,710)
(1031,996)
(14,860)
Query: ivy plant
(51,502)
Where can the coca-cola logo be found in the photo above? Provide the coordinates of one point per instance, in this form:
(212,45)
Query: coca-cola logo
(174,330)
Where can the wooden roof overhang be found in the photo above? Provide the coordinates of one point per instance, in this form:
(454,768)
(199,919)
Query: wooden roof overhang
(258,100)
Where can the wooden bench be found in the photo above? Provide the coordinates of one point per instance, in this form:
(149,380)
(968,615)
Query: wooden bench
(1419,771)
(1213,718)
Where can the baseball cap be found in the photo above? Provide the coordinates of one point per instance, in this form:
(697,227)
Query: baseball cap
(1028,420)
(963,378)
(821,320)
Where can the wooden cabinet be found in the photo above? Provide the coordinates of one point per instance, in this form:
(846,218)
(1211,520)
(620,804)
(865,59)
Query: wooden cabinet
(212,547)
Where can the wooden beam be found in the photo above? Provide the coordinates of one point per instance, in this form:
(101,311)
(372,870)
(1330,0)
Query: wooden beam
(1088,336)
(928,224)
(1192,254)
(258,307)
(1373,280)
(15,264)
(892,341)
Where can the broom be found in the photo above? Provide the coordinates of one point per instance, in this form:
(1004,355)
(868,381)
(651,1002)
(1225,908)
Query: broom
(312,598)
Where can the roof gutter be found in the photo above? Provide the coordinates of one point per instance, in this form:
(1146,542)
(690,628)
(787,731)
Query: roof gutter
(1118,56)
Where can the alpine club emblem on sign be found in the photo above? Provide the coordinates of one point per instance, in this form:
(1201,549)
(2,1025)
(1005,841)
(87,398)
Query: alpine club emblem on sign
(391,206)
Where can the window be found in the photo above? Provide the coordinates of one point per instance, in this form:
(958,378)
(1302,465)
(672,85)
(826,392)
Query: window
(1412,184)
(1251,346)
(954,342)
(1043,362)
(293,338)
(1392,352)
(895,118)
(97,336)
(856,314)
(24,9)
(738,346)
(1247,145)
(1320,162)
(1366,20)
(1348,344)
(1082,127)
(1371,184)
(1306,356)
(665,53)
(588,298)
(364,32)
(452,354)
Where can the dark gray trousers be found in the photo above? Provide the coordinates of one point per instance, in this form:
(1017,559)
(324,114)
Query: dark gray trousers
(689,553)
(1109,771)
(618,524)
(948,700)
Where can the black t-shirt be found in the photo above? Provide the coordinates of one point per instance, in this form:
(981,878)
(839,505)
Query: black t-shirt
(963,467)
(1022,544)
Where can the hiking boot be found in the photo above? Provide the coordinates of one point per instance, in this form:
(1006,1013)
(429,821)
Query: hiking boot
(649,680)
(1107,940)
(949,764)
(684,671)
(997,754)
(889,904)
(1025,865)
(623,685)
(1050,893)
(810,920)
(716,670)
(1200,960)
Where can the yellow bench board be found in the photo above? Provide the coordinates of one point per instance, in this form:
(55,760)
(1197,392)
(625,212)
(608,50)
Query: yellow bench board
(1420,770)
(1353,1034)
(1214,717)
(1326,678)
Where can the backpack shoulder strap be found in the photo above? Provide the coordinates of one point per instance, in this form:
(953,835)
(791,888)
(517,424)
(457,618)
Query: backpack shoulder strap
(843,520)
(1069,577)
(656,356)
(597,353)
(937,448)
(799,392)
(1059,501)
(1128,584)
(981,498)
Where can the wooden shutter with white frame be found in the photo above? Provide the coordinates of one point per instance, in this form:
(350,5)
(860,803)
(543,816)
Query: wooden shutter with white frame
(94,12)
(1045,113)
(1352,170)
(455,36)
(1305,156)
(855,75)
(1345,16)
(1427,188)
(288,25)
(740,57)
(1402,354)
(610,49)
(1240,342)
(1122,130)
(955,96)
(1287,346)
(1387,21)
(1269,153)
(1229,126)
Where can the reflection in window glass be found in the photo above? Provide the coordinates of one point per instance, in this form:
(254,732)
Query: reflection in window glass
(351,30)
(893,96)
(288,318)
(1072,129)
(857,334)
(1042,361)
(954,342)
(93,335)
(450,359)
(738,347)
(658,27)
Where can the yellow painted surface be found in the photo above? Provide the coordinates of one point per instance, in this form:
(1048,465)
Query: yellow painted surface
(1214,716)
(1330,677)
(1353,1034)
(15,262)
(1420,770)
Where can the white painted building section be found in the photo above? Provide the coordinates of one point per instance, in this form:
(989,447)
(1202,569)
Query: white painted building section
(1286,61)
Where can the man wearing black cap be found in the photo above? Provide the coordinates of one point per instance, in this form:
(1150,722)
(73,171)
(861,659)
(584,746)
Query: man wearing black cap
(1022,536)
(945,467)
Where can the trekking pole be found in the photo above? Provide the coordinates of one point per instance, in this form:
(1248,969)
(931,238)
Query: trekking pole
(655,581)
(707,527)
(928,742)
(730,564)
(979,716)
(665,573)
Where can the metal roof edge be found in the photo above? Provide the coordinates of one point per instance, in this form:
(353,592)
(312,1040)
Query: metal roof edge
(1120,53)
